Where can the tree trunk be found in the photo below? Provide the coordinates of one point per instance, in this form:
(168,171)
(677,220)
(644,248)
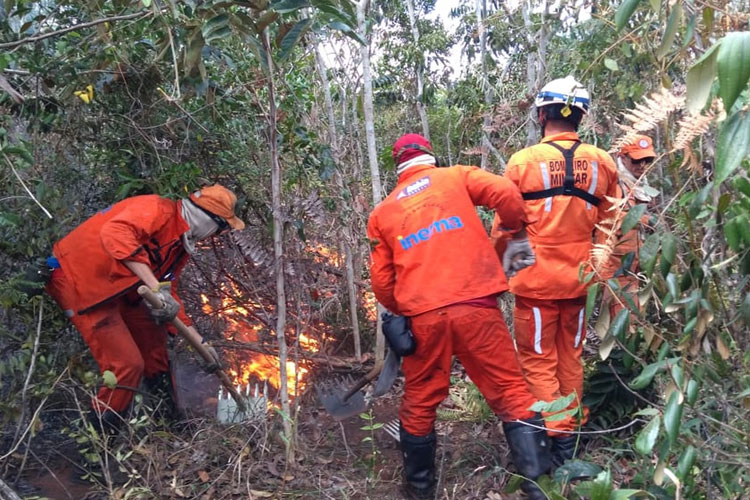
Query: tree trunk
(481,7)
(348,237)
(420,72)
(377,190)
(535,64)
(278,252)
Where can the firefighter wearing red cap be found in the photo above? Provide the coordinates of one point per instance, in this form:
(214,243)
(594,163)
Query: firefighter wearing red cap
(99,265)
(564,183)
(433,263)
(632,160)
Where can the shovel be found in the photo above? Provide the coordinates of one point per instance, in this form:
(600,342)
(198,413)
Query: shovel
(149,296)
(343,399)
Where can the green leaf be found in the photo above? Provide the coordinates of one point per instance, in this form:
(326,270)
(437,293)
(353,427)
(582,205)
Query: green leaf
(553,406)
(691,393)
(672,417)
(292,37)
(745,309)
(733,145)
(673,24)
(611,64)
(633,217)
(619,326)
(602,486)
(686,461)
(624,11)
(668,253)
(648,373)
(648,252)
(591,294)
(646,439)
(700,78)
(624,494)
(690,31)
(672,286)
(732,234)
(576,469)
(109,378)
(287,6)
(734,66)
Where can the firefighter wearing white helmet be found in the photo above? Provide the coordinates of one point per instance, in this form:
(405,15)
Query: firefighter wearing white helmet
(563,99)
(565,184)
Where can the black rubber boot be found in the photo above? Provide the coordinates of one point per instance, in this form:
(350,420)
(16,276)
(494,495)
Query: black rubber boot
(107,423)
(161,386)
(419,464)
(530,450)
(563,448)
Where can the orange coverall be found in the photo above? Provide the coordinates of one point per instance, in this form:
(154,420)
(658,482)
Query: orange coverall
(431,260)
(97,291)
(550,299)
(624,244)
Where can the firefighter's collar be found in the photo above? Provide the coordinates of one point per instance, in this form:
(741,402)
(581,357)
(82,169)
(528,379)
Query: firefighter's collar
(411,171)
(562,136)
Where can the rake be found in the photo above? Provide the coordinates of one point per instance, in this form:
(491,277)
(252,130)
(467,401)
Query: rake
(342,398)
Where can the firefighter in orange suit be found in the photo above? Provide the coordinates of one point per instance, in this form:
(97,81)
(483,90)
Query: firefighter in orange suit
(433,263)
(97,268)
(632,160)
(564,183)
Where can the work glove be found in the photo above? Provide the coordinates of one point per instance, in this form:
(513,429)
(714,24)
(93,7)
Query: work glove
(216,362)
(170,307)
(518,255)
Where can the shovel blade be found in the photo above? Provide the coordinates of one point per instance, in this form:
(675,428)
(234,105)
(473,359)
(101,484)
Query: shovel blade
(331,396)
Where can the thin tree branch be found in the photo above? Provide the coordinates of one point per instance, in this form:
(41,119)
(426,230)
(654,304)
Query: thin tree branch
(37,38)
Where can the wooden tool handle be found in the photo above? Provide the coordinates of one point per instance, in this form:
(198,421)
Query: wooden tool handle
(369,377)
(150,297)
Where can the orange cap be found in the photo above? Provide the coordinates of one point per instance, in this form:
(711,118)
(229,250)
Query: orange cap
(219,201)
(640,147)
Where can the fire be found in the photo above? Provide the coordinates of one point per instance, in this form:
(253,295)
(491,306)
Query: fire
(249,321)
(370,304)
(243,325)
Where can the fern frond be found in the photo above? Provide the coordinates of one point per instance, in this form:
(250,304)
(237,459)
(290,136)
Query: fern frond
(647,115)
(691,126)
(602,252)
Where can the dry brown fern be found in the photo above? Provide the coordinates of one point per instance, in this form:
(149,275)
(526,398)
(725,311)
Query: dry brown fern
(645,116)
(691,126)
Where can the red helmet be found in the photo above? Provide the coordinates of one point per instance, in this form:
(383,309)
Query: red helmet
(410,146)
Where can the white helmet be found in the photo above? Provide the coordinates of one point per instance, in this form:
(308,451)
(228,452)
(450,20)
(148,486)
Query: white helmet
(564,91)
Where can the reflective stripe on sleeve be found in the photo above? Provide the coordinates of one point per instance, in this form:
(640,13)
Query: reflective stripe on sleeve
(577,340)
(594,181)
(537,330)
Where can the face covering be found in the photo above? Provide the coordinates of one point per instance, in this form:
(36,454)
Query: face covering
(642,192)
(201,225)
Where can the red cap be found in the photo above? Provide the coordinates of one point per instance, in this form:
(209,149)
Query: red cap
(410,146)
(640,147)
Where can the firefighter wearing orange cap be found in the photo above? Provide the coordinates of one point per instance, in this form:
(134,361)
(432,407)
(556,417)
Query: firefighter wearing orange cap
(632,160)
(432,262)
(98,266)
(564,183)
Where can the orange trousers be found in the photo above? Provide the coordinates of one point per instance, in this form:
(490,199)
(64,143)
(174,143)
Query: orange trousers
(122,338)
(549,337)
(479,338)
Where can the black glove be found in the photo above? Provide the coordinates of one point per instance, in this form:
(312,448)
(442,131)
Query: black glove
(34,278)
(397,331)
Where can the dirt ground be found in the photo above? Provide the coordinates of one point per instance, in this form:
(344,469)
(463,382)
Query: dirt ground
(202,459)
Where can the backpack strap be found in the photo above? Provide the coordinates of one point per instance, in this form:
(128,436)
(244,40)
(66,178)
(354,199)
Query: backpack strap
(568,188)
